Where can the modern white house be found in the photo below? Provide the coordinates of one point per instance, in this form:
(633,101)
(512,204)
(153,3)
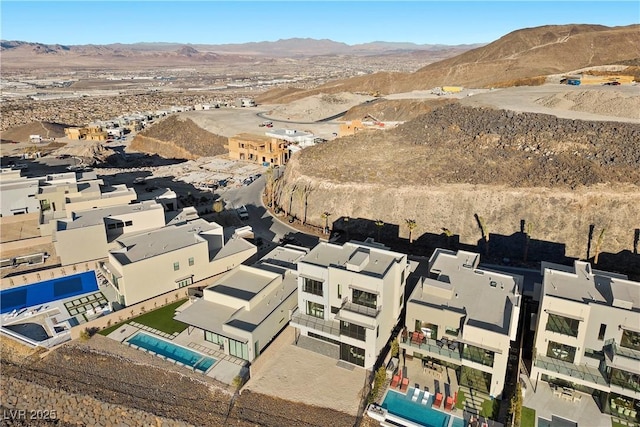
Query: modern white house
(464,317)
(303,139)
(156,262)
(247,307)
(350,298)
(89,234)
(588,336)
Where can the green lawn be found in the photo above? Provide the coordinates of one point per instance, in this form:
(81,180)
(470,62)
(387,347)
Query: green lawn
(460,401)
(160,319)
(528,417)
(488,407)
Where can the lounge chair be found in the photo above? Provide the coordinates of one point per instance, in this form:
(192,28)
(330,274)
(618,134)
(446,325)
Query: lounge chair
(448,405)
(425,397)
(438,400)
(395,381)
(416,394)
(405,384)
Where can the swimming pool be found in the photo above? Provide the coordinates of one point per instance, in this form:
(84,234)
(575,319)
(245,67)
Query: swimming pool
(401,405)
(47,291)
(172,351)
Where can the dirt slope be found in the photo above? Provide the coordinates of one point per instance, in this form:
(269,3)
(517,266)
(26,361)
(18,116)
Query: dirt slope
(180,138)
(522,54)
(44,129)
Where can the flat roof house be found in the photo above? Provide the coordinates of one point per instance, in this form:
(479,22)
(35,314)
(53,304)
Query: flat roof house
(150,264)
(464,317)
(350,298)
(247,307)
(588,336)
(88,234)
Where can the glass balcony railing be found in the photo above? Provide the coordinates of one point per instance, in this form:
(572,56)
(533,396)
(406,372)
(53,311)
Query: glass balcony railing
(582,372)
(427,345)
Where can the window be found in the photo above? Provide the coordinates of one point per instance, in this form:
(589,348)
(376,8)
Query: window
(630,339)
(176,266)
(314,309)
(478,355)
(335,310)
(562,352)
(603,330)
(377,331)
(365,298)
(562,325)
(312,286)
(320,337)
(238,349)
(352,330)
(352,354)
(402,277)
(450,330)
(214,338)
(111,226)
(191,262)
(128,223)
(401,299)
(185,282)
(339,290)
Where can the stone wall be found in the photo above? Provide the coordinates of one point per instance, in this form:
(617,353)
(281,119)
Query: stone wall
(26,403)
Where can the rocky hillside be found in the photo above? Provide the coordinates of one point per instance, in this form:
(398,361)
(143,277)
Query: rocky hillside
(394,109)
(455,162)
(520,55)
(179,138)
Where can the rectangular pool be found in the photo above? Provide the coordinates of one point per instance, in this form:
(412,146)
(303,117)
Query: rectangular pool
(401,405)
(49,290)
(172,351)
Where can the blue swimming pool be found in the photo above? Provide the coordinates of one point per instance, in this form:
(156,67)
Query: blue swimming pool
(47,291)
(401,405)
(458,422)
(172,351)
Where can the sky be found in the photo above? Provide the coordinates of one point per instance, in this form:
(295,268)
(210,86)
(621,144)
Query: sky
(351,22)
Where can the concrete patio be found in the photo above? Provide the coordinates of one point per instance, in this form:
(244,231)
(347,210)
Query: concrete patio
(585,412)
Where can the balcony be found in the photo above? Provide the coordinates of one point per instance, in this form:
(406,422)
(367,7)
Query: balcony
(361,309)
(618,350)
(432,348)
(572,372)
(299,319)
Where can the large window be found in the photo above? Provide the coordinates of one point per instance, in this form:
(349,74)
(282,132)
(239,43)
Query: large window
(563,325)
(352,330)
(365,298)
(316,310)
(563,352)
(312,286)
(630,339)
(625,379)
(238,349)
(478,355)
(352,354)
(214,338)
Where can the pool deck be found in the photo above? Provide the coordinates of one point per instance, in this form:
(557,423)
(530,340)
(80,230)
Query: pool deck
(224,370)
(453,415)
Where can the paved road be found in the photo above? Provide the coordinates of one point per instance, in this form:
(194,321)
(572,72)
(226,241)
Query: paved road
(263,223)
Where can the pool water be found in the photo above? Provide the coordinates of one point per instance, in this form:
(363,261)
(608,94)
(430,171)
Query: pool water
(172,351)
(401,405)
(49,290)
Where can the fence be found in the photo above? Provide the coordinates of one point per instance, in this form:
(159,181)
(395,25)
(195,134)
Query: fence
(48,274)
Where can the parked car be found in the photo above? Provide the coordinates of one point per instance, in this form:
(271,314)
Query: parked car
(139,180)
(243,213)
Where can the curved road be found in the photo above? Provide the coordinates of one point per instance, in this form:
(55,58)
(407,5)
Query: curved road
(264,225)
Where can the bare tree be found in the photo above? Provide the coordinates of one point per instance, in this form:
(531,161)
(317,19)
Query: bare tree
(527,240)
(302,195)
(325,215)
(379,224)
(598,246)
(411,225)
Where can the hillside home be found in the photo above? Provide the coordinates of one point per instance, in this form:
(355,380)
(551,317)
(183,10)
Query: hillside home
(245,309)
(465,318)
(89,234)
(350,298)
(258,149)
(150,264)
(588,336)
